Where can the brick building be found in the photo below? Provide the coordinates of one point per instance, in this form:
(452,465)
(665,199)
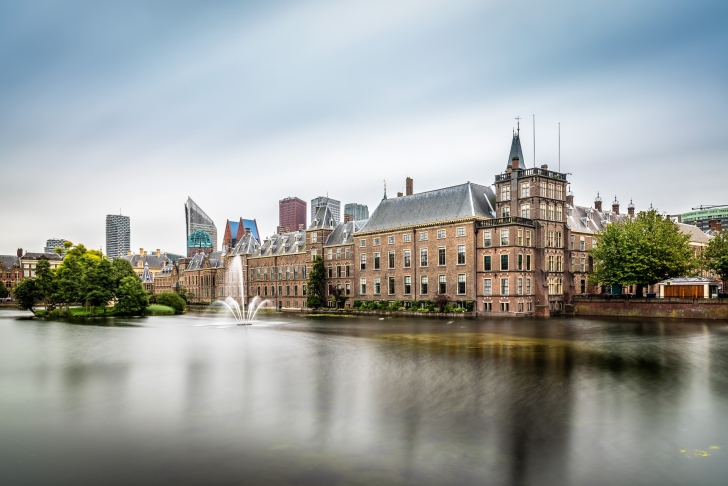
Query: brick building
(11,270)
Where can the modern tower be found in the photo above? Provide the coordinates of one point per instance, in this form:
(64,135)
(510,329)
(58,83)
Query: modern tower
(357,211)
(118,235)
(323,201)
(291,213)
(54,243)
(196,220)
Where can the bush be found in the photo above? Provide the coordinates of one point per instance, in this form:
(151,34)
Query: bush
(395,306)
(160,310)
(358,304)
(313,301)
(173,300)
(469,305)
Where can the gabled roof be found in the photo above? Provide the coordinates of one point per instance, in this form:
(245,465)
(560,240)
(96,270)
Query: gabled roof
(152,260)
(37,256)
(247,245)
(282,244)
(147,276)
(344,232)
(516,151)
(9,260)
(583,219)
(695,233)
(449,203)
(323,218)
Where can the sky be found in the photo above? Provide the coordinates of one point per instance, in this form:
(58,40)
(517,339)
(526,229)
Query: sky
(131,107)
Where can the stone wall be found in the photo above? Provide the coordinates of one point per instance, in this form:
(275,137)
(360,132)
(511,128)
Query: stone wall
(670,308)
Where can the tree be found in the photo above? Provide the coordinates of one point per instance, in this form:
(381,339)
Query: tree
(173,300)
(316,284)
(99,288)
(641,251)
(45,283)
(26,294)
(338,294)
(133,299)
(441,301)
(716,255)
(182,291)
(4,292)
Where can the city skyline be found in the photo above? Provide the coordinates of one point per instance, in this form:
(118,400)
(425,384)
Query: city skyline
(417,89)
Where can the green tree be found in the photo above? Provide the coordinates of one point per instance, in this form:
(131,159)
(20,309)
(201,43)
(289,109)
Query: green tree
(26,294)
(4,292)
(99,284)
(121,268)
(45,283)
(716,255)
(173,300)
(182,291)
(338,294)
(641,251)
(316,284)
(133,299)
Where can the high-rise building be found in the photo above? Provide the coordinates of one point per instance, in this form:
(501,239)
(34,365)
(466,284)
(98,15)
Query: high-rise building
(291,213)
(323,201)
(711,218)
(118,235)
(54,243)
(357,211)
(196,220)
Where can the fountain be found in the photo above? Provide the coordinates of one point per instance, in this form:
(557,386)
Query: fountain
(244,317)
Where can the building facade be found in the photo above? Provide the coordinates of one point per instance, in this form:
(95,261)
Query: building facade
(154,262)
(712,219)
(196,220)
(324,201)
(54,243)
(11,270)
(291,214)
(118,235)
(357,212)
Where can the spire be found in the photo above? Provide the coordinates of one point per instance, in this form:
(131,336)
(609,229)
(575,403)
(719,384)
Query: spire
(385,189)
(516,151)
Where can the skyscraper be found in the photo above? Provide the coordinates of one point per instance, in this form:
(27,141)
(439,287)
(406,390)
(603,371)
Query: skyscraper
(118,235)
(196,219)
(357,211)
(54,243)
(323,201)
(291,213)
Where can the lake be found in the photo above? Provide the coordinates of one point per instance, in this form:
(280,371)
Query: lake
(361,400)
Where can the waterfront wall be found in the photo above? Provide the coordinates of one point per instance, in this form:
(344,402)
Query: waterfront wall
(666,308)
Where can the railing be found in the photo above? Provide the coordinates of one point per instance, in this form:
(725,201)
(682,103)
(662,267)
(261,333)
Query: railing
(489,223)
(530,172)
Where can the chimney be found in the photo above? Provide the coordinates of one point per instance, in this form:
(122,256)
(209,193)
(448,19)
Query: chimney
(141,251)
(630,209)
(399,194)
(20,252)
(615,205)
(598,203)
(247,231)
(408,184)
(145,253)
(128,252)
(545,167)
(348,217)
(300,227)
(159,252)
(570,198)
(716,225)
(514,163)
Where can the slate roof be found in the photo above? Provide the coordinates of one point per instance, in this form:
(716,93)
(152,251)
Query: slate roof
(147,276)
(456,202)
(37,256)
(516,152)
(344,232)
(696,234)
(197,262)
(166,270)
(247,245)
(583,219)
(283,244)
(9,260)
(152,260)
(323,218)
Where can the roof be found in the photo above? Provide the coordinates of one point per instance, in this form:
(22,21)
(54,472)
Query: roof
(456,202)
(200,261)
(9,260)
(152,260)
(147,276)
(516,151)
(696,234)
(344,232)
(583,219)
(283,244)
(252,226)
(38,256)
(199,239)
(690,281)
(247,245)
(323,218)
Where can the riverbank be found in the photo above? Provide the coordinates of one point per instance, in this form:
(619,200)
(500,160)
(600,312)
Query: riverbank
(661,308)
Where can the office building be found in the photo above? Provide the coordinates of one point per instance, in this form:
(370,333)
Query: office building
(197,220)
(54,243)
(118,235)
(291,214)
(357,212)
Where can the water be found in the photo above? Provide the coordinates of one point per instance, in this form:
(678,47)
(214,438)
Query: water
(330,400)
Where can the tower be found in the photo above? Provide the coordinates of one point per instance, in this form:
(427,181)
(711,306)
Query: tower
(118,235)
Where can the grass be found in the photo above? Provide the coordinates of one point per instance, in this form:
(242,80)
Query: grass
(159,310)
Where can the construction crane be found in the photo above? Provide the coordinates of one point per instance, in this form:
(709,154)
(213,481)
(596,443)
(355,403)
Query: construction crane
(710,206)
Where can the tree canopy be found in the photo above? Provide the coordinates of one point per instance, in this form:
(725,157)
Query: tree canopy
(316,284)
(641,251)
(716,255)
(4,292)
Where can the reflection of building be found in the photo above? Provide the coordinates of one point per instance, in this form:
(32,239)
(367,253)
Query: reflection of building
(118,235)
(234,231)
(54,243)
(196,219)
(199,242)
(357,212)
(291,214)
(321,202)
(153,262)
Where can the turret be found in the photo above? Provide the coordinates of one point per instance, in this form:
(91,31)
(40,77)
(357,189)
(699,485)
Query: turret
(630,209)
(598,203)
(615,205)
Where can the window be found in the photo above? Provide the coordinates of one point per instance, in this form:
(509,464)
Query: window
(346,252)
(362,243)
(528,237)
(423,257)
(571,243)
(559,213)
(461,254)
(505,211)
(423,284)
(441,256)
(441,284)
(265,273)
(504,286)
(288,290)
(331,271)
(376,241)
(542,189)
(520,237)
(461,283)
(348,289)
(391,259)
(551,191)
(558,239)
(543,211)
(362,286)
(460,232)
(505,306)
(488,306)
(520,307)
(288,272)
(363,261)
(376,261)
(487,239)
(390,240)
(528,286)
(407,259)
(582,244)
(525,189)
(550,239)
(295,272)
(407,285)
(440,234)
(519,265)
(423,236)
(346,268)
(314,238)
(525,210)
(559,192)
(528,263)
(504,237)
(314,254)
(486,263)
(303,272)
(559,263)
(505,193)
(520,286)
(551,263)
(504,262)
(303,289)
(391,285)
(338,271)
(487,286)
(295,290)
(280,273)
(377,286)
(582,265)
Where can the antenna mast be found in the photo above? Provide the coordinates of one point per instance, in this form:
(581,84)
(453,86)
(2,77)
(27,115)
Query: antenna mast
(559,146)
(534,140)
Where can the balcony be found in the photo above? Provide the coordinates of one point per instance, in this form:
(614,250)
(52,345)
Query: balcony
(531,172)
(489,223)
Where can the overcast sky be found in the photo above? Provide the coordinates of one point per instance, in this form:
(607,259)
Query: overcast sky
(133,106)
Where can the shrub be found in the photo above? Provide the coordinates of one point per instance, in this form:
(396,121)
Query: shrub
(159,310)
(469,305)
(396,305)
(173,300)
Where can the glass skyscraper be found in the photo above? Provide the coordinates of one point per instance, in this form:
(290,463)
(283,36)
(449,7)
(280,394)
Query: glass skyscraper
(118,235)
(196,219)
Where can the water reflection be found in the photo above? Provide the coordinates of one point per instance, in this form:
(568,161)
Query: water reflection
(363,401)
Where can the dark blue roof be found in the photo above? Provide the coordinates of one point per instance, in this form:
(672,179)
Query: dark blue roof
(234,229)
(250,224)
